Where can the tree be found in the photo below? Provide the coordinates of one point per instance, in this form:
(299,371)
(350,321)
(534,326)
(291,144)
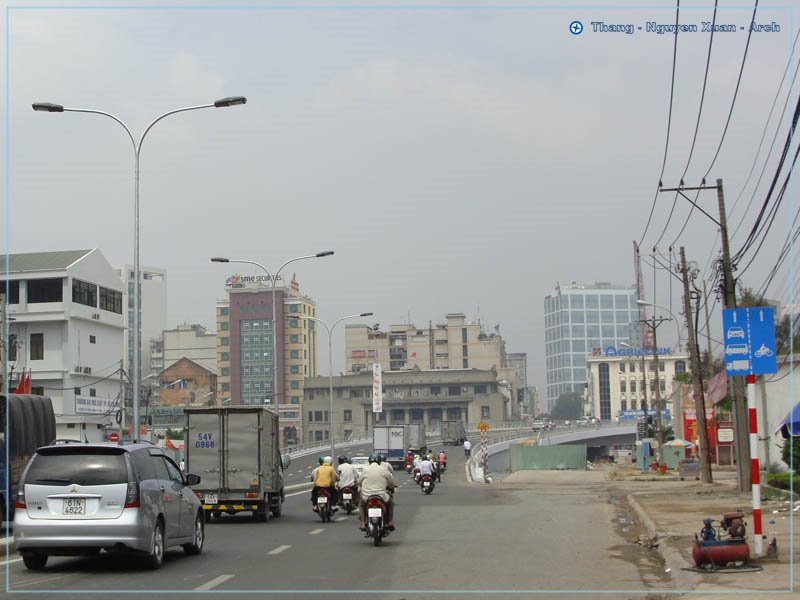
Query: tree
(792,444)
(568,406)
(783,337)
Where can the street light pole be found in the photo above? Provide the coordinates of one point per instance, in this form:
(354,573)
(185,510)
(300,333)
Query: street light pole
(137,149)
(330,367)
(273,281)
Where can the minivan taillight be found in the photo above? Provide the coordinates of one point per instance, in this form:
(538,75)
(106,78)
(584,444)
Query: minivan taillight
(20,503)
(132,496)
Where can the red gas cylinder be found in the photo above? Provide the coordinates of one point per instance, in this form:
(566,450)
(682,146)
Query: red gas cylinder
(720,553)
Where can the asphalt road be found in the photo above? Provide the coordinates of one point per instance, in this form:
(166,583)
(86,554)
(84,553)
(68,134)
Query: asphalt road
(469,537)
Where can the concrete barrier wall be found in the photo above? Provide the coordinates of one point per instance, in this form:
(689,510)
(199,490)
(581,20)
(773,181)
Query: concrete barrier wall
(563,456)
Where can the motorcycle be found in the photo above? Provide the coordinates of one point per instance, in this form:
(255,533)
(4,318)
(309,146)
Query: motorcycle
(376,523)
(348,498)
(442,466)
(426,484)
(324,507)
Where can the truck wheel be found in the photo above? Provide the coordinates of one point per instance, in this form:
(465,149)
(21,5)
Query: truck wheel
(276,505)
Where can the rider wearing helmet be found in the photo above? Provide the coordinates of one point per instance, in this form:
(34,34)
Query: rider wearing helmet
(385,463)
(346,474)
(324,477)
(375,480)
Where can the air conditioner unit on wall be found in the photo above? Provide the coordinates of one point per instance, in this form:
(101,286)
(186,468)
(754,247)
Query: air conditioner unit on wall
(87,370)
(78,369)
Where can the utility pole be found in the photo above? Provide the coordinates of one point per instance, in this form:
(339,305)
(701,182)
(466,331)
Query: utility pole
(699,398)
(708,325)
(123,404)
(739,400)
(659,426)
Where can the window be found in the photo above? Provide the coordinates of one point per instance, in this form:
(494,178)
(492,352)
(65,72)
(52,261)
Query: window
(224,326)
(465,363)
(293,308)
(661,367)
(436,390)
(622,386)
(484,412)
(348,415)
(311,416)
(294,339)
(622,367)
(294,370)
(77,391)
(463,335)
(111,300)
(294,323)
(13,292)
(92,393)
(623,404)
(225,372)
(417,415)
(294,353)
(223,311)
(37,346)
(295,385)
(224,341)
(318,415)
(480,389)
(45,290)
(12,348)
(226,387)
(84,293)
(92,339)
(225,356)
(662,385)
(453,390)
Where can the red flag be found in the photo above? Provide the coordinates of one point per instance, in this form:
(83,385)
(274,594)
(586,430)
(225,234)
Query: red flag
(28,383)
(20,389)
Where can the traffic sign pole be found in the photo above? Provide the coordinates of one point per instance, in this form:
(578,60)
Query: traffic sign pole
(758,538)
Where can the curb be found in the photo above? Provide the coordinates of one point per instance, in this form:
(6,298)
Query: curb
(684,580)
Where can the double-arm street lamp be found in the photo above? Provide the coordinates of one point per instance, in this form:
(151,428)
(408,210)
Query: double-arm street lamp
(330,366)
(137,148)
(273,281)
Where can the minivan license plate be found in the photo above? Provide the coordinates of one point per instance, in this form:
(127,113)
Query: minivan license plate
(74,506)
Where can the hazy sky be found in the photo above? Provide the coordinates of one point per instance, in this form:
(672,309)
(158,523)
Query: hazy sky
(459,159)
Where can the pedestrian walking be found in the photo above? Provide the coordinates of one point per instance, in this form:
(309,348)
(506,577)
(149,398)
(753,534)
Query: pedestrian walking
(467,447)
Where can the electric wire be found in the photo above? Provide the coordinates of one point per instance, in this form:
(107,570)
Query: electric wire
(727,121)
(669,121)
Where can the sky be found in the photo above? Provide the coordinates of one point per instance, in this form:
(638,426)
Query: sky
(461,157)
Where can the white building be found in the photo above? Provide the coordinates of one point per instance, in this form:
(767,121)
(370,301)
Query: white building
(67,327)
(616,385)
(154,311)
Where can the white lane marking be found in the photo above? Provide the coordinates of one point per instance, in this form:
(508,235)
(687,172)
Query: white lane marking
(8,562)
(15,585)
(315,532)
(306,492)
(279,549)
(340,519)
(214,582)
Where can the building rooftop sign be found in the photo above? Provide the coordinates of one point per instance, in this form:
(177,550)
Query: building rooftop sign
(614,351)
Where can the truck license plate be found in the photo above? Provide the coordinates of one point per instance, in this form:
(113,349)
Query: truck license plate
(322,500)
(374,512)
(347,496)
(210,498)
(74,506)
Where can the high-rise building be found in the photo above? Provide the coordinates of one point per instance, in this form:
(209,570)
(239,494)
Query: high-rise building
(154,312)
(519,362)
(456,344)
(579,318)
(246,322)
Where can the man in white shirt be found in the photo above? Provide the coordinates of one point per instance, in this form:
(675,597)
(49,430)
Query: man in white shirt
(375,481)
(467,448)
(426,468)
(346,473)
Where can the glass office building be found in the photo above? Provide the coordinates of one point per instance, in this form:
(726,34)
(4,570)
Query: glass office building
(579,318)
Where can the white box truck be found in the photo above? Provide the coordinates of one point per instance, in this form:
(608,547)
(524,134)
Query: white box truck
(453,432)
(235,452)
(392,442)
(416,437)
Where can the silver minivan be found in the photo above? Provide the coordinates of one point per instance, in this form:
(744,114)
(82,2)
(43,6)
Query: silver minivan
(76,499)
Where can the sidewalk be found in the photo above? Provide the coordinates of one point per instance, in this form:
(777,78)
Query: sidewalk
(672,511)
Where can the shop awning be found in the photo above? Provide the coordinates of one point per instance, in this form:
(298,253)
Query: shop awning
(791,424)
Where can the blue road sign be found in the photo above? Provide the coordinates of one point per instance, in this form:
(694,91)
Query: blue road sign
(749,335)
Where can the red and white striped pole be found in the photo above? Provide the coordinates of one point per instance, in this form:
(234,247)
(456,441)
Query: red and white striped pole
(758,537)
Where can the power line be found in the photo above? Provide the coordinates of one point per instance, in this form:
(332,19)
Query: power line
(669,120)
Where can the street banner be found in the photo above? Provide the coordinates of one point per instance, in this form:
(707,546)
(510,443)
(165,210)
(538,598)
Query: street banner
(377,388)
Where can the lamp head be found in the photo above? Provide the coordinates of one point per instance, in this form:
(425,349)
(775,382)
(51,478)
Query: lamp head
(220,259)
(365,314)
(324,253)
(643,303)
(230,101)
(47,107)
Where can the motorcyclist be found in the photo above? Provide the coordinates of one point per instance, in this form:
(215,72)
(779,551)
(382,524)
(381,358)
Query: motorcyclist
(325,477)
(409,460)
(426,468)
(375,480)
(442,459)
(385,463)
(346,475)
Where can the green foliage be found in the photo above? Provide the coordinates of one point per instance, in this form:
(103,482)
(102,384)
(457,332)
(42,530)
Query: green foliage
(782,481)
(568,406)
(174,434)
(685,377)
(792,445)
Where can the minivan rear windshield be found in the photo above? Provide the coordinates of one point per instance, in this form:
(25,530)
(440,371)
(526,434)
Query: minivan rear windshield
(80,468)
